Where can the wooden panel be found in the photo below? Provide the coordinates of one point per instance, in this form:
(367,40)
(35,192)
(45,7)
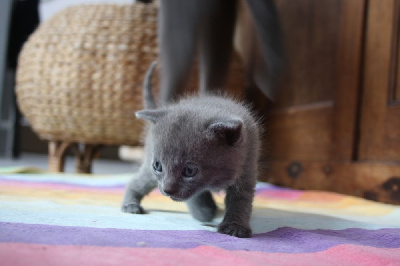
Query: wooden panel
(380,117)
(347,92)
(394,96)
(379,182)
(391,148)
(302,133)
(310,34)
(315,115)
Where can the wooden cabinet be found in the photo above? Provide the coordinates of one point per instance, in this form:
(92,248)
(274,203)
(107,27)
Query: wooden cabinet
(380,110)
(336,123)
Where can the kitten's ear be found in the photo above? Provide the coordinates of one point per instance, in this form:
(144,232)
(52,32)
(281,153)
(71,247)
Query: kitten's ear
(153,115)
(229,131)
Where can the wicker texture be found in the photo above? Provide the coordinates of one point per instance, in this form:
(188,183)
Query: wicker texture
(80,74)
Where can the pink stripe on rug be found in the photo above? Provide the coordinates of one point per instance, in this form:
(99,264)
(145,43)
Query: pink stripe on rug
(280,194)
(29,254)
(60,186)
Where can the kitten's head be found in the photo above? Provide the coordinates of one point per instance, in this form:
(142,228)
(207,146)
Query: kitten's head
(191,154)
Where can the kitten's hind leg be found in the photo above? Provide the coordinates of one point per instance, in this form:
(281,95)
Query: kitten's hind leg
(202,207)
(139,186)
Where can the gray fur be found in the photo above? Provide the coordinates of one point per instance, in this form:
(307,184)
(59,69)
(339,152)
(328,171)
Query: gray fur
(217,135)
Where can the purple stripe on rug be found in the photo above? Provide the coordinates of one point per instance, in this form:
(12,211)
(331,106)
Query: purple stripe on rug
(286,240)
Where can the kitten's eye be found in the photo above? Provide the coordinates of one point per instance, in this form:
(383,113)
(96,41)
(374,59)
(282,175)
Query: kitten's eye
(190,171)
(157,166)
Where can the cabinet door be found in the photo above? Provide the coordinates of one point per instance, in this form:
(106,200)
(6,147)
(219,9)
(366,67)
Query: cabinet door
(314,118)
(380,112)
(337,124)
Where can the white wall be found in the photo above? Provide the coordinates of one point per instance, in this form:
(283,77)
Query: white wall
(48,8)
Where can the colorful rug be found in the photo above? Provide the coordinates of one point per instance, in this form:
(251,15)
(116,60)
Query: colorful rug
(68,219)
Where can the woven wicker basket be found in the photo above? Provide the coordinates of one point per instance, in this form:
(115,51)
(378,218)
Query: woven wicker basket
(80,74)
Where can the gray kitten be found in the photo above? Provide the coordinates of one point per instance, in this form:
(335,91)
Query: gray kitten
(195,146)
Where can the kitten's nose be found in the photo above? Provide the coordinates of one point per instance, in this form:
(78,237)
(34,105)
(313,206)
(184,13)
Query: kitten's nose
(170,189)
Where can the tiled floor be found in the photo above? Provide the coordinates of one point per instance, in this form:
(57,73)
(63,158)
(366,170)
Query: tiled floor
(100,166)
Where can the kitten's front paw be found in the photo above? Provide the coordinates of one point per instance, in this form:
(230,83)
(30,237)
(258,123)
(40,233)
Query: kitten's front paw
(234,229)
(133,208)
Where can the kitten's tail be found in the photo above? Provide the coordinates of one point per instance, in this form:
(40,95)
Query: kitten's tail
(148,99)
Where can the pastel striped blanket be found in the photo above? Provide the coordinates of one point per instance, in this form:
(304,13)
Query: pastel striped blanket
(67,219)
